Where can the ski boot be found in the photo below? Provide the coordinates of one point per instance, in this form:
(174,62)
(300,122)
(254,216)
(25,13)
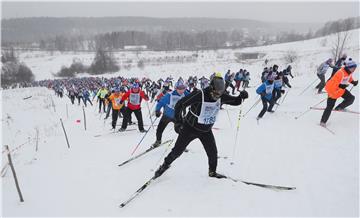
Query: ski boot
(157,143)
(161,170)
(122,130)
(216,175)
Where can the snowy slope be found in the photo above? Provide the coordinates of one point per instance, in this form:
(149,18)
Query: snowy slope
(86,181)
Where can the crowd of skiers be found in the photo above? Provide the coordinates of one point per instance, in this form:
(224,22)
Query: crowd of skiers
(271,89)
(193,104)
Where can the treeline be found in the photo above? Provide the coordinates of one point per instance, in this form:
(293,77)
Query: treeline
(13,71)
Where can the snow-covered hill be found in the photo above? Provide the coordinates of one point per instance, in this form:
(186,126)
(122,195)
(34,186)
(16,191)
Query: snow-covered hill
(86,181)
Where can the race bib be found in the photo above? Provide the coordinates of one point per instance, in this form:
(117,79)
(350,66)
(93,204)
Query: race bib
(134,98)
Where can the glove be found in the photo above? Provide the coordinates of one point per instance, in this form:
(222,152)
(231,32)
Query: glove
(282,91)
(244,94)
(355,82)
(343,86)
(157,113)
(262,94)
(178,127)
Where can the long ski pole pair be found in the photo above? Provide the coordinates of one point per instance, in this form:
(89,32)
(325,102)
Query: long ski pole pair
(256,103)
(308,87)
(303,113)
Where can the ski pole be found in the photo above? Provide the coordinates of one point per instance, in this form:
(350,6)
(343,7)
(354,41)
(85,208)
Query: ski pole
(236,136)
(147,104)
(285,96)
(257,102)
(143,137)
(227,111)
(308,87)
(309,109)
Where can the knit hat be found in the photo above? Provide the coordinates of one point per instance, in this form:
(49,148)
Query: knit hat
(180,85)
(350,64)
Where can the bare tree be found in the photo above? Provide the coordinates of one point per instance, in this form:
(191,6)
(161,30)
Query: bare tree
(339,44)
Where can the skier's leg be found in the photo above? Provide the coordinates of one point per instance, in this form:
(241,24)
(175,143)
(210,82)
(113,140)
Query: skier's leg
(164,121)
(329,106)
(348,100)
(265,106)
(139,118)
(208,141)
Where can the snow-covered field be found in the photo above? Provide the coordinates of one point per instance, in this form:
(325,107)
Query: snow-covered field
(86,181)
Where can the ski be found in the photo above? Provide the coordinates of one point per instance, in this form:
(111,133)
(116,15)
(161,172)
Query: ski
(345,111)
(274,187)
(146,151)
(113,132)
(135,194)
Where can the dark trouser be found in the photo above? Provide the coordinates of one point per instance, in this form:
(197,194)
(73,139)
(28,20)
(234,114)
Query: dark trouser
(138,116)
(115,115)
(227,84)
(79,98)
(321,84)
(286,82)
(245,84)
(123,112)
(101,102)
(85,100)
(108,109)
(187,135)
(72,98)
(276,94)
(265,103)
(348,100)
(164,121)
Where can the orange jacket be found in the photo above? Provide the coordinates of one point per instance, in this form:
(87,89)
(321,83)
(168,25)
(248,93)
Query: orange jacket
(332,86)
(115,100)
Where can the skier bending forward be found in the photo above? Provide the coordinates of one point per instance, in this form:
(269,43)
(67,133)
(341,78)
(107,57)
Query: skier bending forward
(197,123)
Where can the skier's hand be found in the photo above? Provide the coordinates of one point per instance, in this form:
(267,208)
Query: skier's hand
(244,94)
(343,86)
(157,113)
(355,82)
(262,94)
(178,127)
(282,91)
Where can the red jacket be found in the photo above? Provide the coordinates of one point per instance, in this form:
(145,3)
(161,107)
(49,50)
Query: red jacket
(134,99)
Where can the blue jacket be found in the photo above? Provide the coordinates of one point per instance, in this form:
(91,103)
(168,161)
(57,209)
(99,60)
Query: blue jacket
(266,88)
(165,102)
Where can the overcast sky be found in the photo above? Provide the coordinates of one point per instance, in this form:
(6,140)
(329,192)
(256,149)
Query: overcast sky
(265,11)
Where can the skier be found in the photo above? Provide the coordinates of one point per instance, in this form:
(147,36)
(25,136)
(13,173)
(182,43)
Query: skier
(265,90)
(246,80)
(115,99)
(339,63)
(336,88)
(321,71)
(86,97)
(204,107)
(134,96)
(229,78)
(238,78)
(101,97)
(286,73)
(168,102)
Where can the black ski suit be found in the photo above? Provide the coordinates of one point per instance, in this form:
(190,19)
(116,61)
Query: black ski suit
(190,129)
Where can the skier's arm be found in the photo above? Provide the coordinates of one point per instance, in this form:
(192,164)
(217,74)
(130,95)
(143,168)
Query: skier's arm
(186,101)
(162,102)
(231,100)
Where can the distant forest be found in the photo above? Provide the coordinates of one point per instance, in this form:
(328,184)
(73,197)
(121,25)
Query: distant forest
(113,33)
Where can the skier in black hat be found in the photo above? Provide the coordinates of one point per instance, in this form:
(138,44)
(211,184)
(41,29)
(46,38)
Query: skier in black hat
(197,123)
